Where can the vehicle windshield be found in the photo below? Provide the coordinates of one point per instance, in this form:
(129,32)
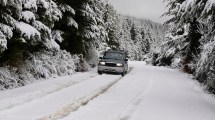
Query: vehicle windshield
(114,55)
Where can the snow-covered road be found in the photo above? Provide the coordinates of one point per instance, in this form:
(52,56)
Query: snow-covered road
(145,93)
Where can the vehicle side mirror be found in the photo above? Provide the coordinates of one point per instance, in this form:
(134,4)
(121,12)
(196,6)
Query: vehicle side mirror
(126,59)
(100,57)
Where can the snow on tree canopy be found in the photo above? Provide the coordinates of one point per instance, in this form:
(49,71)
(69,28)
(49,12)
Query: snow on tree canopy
(28,16)
(67,8)
(3,2)
(209,5)
(187,4)
(57,35)
(28,31)
(206,55)
(52,45)
(53,13)
(71,22)
(10,2)
(3,42)
(42,28)
(43,3)
(7,30)
(8,19)
(30,4)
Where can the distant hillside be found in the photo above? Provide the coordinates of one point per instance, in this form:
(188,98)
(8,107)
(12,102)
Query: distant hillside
(140,36)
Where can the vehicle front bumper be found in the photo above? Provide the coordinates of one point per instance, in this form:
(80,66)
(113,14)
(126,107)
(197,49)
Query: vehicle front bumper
(110,69)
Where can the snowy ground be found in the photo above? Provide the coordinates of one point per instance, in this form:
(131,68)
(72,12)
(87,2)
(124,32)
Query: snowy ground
(145,93)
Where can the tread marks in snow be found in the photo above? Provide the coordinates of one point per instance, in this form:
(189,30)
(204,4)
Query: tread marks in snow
(75,105)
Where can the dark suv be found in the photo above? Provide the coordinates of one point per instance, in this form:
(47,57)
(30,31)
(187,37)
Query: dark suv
(113,62)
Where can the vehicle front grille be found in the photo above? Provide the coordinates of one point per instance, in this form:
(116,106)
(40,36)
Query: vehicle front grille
(110,64)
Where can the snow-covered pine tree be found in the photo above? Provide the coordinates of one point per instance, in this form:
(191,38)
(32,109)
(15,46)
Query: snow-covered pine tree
(138,35)
(28,42)
(145,41)
(182,10)
(64,29)
(26,24)
(111,19)
(10,13)
(126,43)
(91,33)
(48,13)
(198,37)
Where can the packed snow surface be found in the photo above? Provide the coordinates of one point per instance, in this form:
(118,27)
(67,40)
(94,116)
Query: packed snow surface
(145,93)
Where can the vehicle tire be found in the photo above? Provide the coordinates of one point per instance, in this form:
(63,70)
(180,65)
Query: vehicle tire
(123,73)
(100,72)
(126,72)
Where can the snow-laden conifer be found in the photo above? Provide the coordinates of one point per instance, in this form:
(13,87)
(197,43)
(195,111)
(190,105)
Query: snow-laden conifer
(196,51)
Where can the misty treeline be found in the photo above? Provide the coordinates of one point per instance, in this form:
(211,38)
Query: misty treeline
(190,42)
(49,38)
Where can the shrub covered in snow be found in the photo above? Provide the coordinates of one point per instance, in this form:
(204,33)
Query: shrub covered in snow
(41,65)
(8,78)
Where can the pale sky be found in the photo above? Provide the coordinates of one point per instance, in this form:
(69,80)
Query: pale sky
(149,9)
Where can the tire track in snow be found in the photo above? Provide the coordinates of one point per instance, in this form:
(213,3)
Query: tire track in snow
(135,102)
(27,98)
(132,106)
(75,105)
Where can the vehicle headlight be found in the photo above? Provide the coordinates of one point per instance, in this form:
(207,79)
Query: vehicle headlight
(119,64)
(102,63)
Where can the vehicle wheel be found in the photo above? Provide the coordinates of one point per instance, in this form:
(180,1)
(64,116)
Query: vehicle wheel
(123,73)
(100,72)
(126,70)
